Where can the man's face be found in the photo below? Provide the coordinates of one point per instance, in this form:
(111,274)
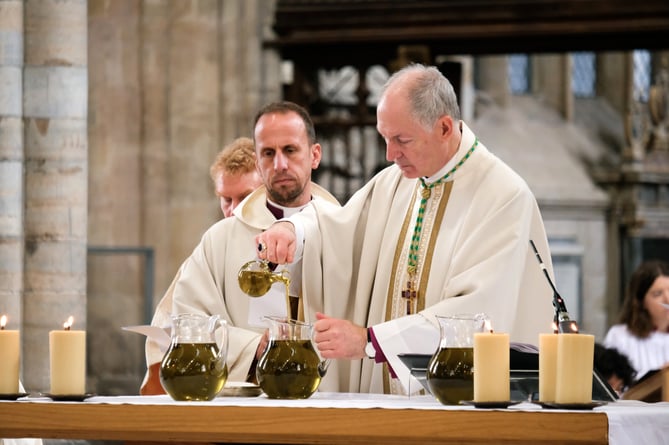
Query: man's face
(231,189)
(417,151)
(284,158)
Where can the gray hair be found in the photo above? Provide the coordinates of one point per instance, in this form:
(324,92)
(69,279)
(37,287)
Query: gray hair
(431,95)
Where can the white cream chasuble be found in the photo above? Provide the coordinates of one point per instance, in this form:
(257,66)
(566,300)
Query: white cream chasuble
(475,257)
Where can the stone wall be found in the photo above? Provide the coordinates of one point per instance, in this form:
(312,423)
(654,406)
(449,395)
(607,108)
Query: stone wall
(55,175)
(171,82)
(11,161)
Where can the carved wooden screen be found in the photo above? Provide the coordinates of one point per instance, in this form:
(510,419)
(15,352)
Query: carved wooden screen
(342,103)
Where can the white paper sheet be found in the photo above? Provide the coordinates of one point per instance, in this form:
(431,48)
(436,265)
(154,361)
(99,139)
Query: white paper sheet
(159,335)
(273,303)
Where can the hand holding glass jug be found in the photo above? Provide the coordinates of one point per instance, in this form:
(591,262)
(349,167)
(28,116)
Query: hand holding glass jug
(290,367)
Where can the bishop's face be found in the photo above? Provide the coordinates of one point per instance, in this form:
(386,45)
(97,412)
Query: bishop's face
(285,158)
(418,151)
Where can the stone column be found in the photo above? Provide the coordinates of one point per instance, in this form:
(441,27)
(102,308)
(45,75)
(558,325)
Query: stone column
(240,51)
(193,121)
(11,161)
(56,173)
(493,78)
(269,68)
(615,69)
(250,75)
(154,77)
(551,75)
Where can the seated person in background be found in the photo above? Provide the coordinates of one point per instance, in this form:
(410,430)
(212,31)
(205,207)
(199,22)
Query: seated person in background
(643,330)
(234,174)
(614,367)
(286,153)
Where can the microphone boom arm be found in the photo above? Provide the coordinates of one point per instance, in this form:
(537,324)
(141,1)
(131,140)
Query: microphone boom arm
(563,323)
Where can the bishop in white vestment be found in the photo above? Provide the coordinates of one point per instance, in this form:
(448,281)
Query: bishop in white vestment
(445,230)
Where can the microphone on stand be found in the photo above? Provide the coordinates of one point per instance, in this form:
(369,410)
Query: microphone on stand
(563,323)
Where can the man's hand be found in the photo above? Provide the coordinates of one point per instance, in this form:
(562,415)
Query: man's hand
(262,345)
(336,338)
(277,244)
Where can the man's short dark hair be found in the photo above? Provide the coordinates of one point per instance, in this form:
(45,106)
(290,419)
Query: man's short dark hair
(286,107)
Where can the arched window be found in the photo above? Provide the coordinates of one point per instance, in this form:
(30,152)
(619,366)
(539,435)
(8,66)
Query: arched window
(583,74)
(519,74)
(641,74)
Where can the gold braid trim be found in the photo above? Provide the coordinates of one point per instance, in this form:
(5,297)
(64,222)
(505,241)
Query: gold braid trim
(441,211)
(425,269)
(398,253)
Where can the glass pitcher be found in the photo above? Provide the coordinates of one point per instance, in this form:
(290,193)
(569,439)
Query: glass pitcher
(450,374)
(194,366)
(255,278)
(290,367)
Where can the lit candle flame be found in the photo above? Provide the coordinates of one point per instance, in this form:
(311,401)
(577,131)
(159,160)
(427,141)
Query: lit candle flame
(68,324)
(555,328)
(573,327)
(488,325)
(3,322)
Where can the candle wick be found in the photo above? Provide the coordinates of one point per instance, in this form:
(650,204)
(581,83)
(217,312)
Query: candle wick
(491,331)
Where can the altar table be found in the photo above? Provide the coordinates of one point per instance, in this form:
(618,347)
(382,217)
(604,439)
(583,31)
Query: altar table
(332,418)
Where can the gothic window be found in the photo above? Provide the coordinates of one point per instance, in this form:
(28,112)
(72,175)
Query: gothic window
(519,73)
(583,74)
(344,113)
(641,74)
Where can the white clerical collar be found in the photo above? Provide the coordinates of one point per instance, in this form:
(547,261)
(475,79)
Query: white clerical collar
(288,211)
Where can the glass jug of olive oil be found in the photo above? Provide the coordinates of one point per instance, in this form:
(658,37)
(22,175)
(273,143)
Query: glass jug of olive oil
(450,371)
(194,366)
(255,278)
(290,367)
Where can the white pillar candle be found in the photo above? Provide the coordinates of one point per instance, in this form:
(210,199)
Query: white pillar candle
(9,359)
(547,366)
(491,367)
(68,360)
(575,354)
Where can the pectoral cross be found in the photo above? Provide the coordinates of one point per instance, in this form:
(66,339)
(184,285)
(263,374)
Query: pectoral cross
(410,295)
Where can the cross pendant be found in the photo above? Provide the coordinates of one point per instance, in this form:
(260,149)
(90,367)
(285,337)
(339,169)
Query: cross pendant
(410,295)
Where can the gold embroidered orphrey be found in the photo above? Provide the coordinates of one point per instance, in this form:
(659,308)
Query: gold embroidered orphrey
(424,222)
(396,307)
